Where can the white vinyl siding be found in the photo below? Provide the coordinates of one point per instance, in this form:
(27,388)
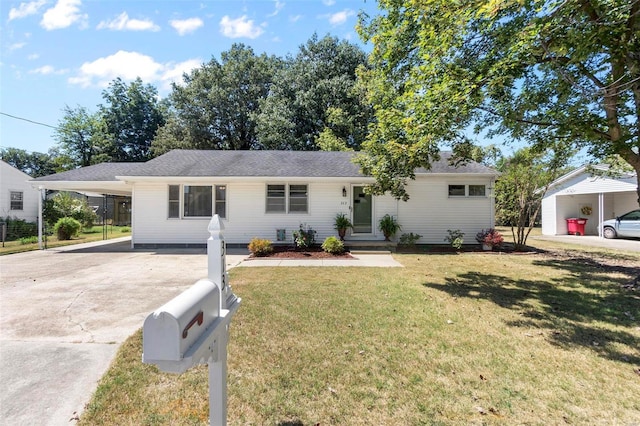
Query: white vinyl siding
(12,183)
(429,212)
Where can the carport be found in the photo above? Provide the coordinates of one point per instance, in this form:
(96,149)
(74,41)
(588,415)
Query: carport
(99,179)
(583,194)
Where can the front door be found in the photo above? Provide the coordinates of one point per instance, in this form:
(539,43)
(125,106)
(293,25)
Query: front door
(362,211)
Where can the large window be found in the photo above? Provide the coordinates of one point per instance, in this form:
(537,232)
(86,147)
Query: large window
(197,201)
(287,198)
(467,190)
(17,202)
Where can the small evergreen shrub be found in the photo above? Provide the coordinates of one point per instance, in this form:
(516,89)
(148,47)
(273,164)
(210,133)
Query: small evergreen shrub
(259,247)
(409,239)
(455,238)
(28,240)
(66,228)
(333,245)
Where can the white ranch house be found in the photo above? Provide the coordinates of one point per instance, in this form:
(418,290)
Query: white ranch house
(18,199)
(580,192)
(261,193)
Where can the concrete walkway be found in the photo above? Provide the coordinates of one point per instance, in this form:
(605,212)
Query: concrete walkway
(593,241)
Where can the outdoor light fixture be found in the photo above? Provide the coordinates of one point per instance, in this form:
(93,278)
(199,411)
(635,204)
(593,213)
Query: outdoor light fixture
(344,191)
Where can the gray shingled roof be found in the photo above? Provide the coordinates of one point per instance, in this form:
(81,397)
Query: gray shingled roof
(194,163)
(199,163)
(97,173)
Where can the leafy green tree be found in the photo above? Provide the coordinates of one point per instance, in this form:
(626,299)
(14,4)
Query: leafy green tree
(132,116)
(523,182)
(35,164)
(543,72)
(215,105)
(82,136)
(316,93)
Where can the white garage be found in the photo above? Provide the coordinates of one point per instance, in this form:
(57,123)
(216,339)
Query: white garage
(582,194)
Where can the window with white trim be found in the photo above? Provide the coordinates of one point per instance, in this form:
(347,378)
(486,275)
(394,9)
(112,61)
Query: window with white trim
(287,198)
(467,190)
(193,201)
(17,200)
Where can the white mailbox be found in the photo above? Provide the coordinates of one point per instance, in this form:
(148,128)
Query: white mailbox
(175,336)
(193,328)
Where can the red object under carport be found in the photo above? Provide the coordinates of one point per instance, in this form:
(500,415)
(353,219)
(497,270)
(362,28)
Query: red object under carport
(575,226)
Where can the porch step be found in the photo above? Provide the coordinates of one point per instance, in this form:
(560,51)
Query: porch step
(374,251)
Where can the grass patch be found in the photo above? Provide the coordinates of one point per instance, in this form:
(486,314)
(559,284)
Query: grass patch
(86,236)
(472,338)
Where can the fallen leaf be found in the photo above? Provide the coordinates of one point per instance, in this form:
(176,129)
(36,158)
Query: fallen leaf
(480,410)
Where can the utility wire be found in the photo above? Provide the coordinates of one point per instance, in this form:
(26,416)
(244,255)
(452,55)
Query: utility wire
(27,120)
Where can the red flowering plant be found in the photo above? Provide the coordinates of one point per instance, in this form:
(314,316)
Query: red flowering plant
(490,237)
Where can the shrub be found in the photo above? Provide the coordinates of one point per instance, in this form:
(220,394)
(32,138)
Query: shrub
(67,227)
(304,238)
(125,229)
(19,228)
(64,205)
(28,240)
(333,245)
(409,239)
(259,247)
(455,238)
(490,237)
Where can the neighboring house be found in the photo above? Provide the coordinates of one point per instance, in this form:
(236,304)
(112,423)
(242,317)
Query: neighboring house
(261,193)
(17,197)
(581,194)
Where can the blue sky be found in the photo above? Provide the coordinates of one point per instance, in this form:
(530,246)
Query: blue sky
(65,52)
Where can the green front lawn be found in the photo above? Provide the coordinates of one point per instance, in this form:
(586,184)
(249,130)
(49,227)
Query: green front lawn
(471,338)
(86,236)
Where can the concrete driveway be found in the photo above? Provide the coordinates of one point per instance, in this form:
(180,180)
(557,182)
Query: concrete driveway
(64,313)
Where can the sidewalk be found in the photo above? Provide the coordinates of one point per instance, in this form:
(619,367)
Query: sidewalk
(362,260)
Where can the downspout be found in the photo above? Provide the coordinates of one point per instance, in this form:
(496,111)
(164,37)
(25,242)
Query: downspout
(600,213)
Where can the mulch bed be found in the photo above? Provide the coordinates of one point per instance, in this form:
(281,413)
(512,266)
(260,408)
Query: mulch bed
(287,252)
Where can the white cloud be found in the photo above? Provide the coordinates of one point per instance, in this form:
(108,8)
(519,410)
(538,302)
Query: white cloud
(64,14)
(241,27)
(17,46)
(295,18)
(340,18)
(33,56)
(186,26)
(173,72)
(48,70)
(279,6)
(129,66)
(26,9)
(329,2)
(123,23)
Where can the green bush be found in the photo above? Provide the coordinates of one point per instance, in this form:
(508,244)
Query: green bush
(333,245)
(28,240)
(67,227)
(455,238)
(64,205)
(125,229)
(259,247)
(409,239)
(19,228)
